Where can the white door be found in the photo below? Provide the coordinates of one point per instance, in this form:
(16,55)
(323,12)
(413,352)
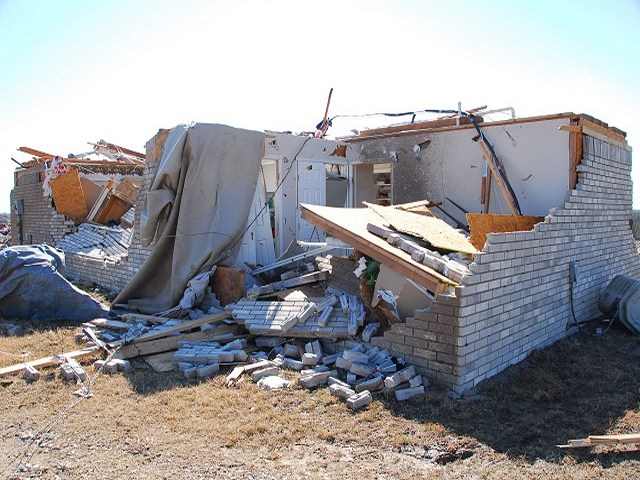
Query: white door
(312,189)
(257,246)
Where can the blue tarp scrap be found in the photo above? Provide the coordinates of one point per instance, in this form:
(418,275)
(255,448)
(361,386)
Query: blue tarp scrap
(32,287)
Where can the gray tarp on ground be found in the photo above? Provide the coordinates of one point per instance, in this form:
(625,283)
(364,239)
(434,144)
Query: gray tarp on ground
(196,210)
(32,287)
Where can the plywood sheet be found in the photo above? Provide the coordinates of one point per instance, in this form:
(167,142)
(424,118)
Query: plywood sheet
(350,226)
(112,209)
(68,196)
(436,232)
(128,190)
(481,224)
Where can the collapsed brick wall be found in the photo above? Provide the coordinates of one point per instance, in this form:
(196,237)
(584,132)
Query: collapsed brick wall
(39,222)
(517,298)
(112,274)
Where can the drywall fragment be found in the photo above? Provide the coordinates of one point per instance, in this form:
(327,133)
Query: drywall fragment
(407,393)
(359,400)
(273,382)
(31,374)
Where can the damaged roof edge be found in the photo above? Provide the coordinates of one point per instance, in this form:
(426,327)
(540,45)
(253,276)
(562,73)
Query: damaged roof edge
(584,119)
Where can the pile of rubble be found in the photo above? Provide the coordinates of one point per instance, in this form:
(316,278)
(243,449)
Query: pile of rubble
(305,324)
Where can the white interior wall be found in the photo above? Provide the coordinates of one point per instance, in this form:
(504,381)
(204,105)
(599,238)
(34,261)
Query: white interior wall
(535,155)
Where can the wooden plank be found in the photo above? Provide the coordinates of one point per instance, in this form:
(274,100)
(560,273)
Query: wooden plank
(482,224)
(113,209)
(352,229)
(541,118)
(572,127)
(575,152)
(602,129)
(622,438)
(139,317)
(499,180)
(48,361)
(189,325)
(133,350)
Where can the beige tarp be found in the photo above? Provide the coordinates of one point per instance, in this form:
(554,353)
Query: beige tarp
(196,210)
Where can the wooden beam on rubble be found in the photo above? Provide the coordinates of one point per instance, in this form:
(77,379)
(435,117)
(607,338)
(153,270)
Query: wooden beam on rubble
(50,361)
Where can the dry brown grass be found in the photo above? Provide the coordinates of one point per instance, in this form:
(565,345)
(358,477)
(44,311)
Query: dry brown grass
(148,425)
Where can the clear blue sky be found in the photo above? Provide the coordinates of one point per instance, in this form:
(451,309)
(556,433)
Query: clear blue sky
(79,71)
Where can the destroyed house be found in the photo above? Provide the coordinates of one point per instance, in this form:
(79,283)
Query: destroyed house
(546,200)
(563,182)
(82,204)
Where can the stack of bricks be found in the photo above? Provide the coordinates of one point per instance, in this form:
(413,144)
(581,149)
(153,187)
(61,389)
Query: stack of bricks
(517,297)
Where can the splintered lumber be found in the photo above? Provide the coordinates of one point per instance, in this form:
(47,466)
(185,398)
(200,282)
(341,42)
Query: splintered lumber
(48,361)
(138,317)
(593,440)
(189,325)
(151,347)
(290,283)
(237,372)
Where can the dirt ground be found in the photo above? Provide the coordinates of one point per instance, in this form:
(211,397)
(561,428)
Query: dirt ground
(146,425)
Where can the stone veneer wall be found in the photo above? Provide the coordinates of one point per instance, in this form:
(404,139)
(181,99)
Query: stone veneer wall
(517,297)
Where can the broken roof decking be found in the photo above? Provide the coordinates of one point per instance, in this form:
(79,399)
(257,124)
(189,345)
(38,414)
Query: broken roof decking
(434,231)
(350,226)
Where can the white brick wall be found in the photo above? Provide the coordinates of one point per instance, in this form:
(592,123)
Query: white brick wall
(517,297)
